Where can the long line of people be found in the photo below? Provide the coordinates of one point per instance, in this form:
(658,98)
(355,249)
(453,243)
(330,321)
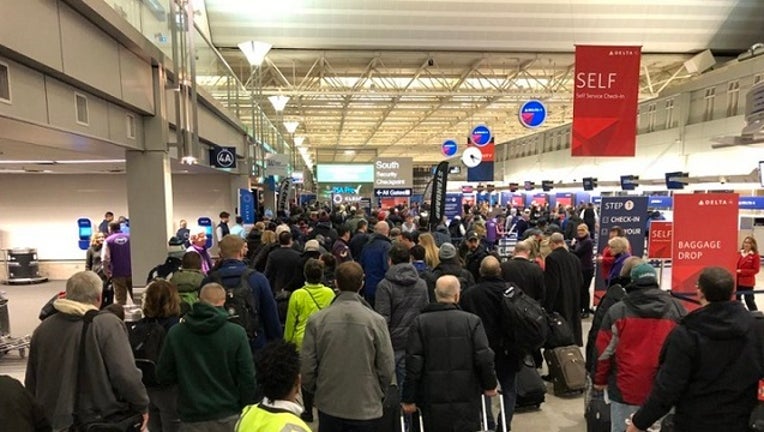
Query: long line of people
(417,316)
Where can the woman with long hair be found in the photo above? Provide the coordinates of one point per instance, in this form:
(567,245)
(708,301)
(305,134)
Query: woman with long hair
(748,265)
(427,241)
(161,305)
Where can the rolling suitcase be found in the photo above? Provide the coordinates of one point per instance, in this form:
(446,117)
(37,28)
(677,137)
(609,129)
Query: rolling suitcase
(596,409)
(484,416)
(531,389)
(567,369)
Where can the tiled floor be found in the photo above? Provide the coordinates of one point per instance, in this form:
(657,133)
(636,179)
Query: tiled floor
(25,301)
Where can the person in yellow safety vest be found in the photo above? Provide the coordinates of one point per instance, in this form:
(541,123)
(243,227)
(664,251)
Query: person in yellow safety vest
(278,376)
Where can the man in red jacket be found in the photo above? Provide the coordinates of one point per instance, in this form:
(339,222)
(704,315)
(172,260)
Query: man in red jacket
(629,343)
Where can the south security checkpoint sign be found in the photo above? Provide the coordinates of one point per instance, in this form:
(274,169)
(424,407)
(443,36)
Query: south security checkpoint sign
(532,114)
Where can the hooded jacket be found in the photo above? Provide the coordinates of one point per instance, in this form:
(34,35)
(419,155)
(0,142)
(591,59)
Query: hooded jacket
(627,359)
(210,360)
(709,371)
(400,297)
(112,383)
(303,303)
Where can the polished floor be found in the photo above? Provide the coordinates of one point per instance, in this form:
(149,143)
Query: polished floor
(25,301)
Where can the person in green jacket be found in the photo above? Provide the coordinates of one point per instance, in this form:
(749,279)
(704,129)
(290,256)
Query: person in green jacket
(303,303)
(210,360)
(188,280)
(278,376)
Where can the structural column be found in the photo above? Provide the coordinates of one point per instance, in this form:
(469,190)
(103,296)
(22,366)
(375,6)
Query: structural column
(149,189)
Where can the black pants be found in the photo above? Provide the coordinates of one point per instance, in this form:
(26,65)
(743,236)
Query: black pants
(750,302)
(327,423)
(307,402)
(588,275)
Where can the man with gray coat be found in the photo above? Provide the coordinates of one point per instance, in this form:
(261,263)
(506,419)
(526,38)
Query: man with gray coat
(401,295)
(108,383)
(347,358)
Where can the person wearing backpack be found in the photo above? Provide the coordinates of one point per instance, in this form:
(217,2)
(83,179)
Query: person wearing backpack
(303,303)
(248,294)
(161,311)
(188,280)
(485,300)
(209,359)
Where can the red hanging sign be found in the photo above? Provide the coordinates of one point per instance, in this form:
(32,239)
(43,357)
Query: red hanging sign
(605,100)
(696,244)
(659,241)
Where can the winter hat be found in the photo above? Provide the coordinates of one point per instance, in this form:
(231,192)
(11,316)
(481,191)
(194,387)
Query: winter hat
(447,251)
(312,246)
(282,228)
(644,275)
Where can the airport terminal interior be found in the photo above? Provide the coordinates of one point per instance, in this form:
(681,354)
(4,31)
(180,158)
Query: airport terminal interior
(166,110)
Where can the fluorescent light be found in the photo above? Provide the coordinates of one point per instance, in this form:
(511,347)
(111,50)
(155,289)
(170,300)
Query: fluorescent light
(349,152)
(291,126)
(255,51)
(298,140)
(27,162)
(279,102)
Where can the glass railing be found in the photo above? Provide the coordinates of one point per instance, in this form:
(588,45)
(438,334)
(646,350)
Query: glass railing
(213,74)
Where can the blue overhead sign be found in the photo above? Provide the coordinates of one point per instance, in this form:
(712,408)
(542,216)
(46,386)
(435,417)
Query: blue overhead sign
(751,203)
(449,148)
(532,114)
(481,135)
(223,157)
(660,202)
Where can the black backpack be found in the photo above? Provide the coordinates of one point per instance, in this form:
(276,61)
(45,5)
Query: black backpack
(240,303)
(164,270)
(560,334)
(325,242)
(146,340)
(524,321)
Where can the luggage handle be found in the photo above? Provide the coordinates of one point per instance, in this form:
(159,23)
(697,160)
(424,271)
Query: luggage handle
(421,422)
(502,410)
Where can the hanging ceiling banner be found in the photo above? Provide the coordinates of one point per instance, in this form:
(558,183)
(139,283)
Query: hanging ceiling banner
(438,198)
(605,100)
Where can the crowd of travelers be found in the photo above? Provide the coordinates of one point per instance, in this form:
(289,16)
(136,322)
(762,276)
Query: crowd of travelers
(361,318)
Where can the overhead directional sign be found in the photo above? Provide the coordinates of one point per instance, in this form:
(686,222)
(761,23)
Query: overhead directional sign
(399,192)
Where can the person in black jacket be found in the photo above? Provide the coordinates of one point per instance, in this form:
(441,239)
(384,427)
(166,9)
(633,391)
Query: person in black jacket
(710,364)
(477,251)
(283,266)
(524,273)
(19,410)
(562,280)
(582,246)
(359,239)
(449,265)
(449,364)
(485,300)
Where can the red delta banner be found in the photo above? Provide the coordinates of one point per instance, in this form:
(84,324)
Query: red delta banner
(388,203)
(659,241)
(518,201)
(696,245)
(605,100)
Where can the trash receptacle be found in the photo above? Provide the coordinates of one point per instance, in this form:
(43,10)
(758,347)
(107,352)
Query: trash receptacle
(22,267)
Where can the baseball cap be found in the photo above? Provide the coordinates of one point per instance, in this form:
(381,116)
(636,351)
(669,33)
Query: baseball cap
(312,246)
(472,235)
(447,251)
(282,228)
(644,274)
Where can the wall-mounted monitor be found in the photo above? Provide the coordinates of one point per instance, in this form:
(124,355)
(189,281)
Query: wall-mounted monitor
(345,173)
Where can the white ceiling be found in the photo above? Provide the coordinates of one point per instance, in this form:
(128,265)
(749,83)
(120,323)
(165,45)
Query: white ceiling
(395,78)
(660,26)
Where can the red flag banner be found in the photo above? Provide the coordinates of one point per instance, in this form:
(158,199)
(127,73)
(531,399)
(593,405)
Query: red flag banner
(605,100)
(696,245)
(659,243)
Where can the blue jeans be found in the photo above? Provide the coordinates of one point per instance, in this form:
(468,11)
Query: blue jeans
(506,374)
(619,412)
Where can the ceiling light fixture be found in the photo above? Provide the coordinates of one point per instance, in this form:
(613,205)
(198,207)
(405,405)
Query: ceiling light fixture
(61,162)
(299,140)
(291,126)
(255,51)
(349,152)
(279,102)
(188,160)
